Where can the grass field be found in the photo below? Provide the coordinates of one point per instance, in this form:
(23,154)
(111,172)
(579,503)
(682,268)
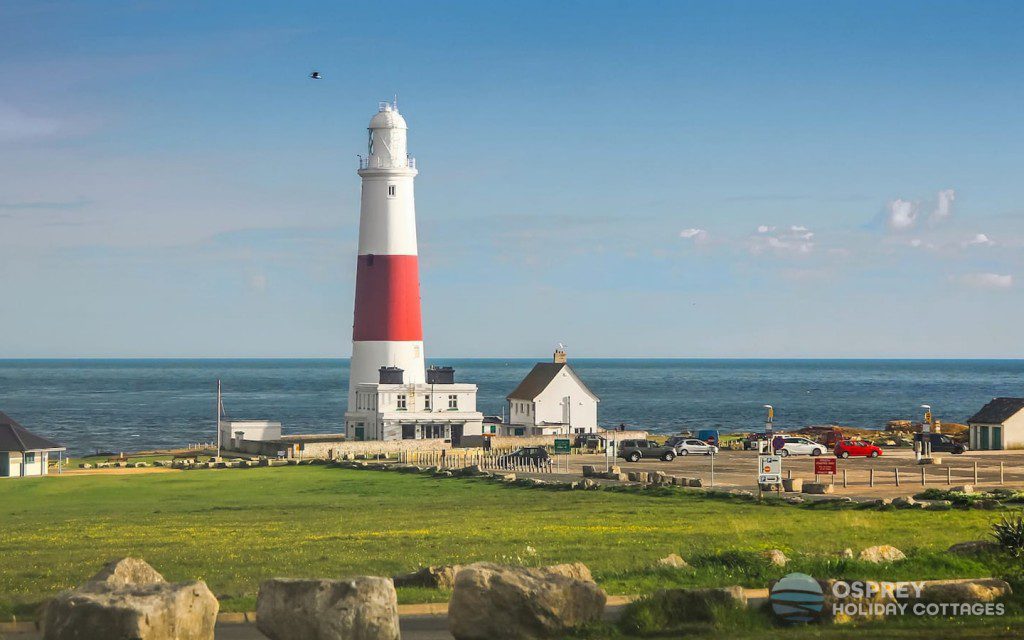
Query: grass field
(234,527)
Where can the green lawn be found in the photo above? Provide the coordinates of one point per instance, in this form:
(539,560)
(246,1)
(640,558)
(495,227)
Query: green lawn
(234,527)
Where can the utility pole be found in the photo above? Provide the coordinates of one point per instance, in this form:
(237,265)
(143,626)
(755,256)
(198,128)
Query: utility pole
(219,411)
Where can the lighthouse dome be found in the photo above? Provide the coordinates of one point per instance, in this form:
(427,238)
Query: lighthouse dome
(388,118)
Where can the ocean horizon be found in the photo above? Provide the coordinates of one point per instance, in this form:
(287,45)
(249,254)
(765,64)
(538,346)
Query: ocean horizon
(129,404)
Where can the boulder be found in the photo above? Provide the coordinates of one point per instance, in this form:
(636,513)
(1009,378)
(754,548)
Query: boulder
(846,554)
(795,500)
(973,547)
(361,608)
(673,561)
(964,488)
(571,570)
(589,471)
(493,602)
(818,488)
(882,553)
(442,577)
(129,600)
(85,465)
(776,557)
(981,590)
(508,477)
(904,501)
(694,482)
(590,484)
(852,609)
(795,485)
(615,469)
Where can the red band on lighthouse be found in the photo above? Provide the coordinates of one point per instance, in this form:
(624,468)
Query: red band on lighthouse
(387,299)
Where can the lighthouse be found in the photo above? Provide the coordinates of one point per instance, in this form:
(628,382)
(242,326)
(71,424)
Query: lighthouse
(391,395)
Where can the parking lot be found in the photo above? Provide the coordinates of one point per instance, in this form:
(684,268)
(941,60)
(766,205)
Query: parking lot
(866,477)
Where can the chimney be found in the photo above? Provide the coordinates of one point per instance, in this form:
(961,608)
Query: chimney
(560,357)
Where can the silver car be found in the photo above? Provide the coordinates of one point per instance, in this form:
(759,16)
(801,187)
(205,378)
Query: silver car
(687,446)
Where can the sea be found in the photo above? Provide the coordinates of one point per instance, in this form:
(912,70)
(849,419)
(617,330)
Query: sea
(139,404)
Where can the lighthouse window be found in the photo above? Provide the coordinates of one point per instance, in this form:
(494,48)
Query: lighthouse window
(392,190)
(453,402)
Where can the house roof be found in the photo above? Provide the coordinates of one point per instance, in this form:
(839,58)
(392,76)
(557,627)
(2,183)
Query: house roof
(14,437)
(998,411)
(540,377)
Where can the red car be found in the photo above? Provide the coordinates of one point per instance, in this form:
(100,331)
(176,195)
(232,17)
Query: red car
(848,448)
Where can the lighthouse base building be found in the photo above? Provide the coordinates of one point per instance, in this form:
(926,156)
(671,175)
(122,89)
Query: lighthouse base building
(392,409)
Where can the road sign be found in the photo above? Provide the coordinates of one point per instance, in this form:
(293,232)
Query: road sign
(769,470)
(824,466)
(562,445)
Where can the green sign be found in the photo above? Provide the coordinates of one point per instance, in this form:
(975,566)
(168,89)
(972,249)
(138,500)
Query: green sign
(562,445)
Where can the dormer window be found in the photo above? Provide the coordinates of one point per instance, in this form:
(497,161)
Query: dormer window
(392,190)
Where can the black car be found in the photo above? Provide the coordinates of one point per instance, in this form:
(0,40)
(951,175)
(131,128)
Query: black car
(944,444)
(527,456)
(634,450)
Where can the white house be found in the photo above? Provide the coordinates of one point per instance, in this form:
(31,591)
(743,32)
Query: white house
(392,409)
(999,425)
(23,453)
(552,400)
(234,431)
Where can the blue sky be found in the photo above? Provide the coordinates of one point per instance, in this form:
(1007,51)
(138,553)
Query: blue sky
(734,179)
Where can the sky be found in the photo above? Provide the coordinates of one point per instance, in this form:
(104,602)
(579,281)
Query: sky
(673,179)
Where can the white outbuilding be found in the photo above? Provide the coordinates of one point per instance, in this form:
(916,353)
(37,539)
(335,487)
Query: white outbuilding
(552,400)
(23,453)
(999,425)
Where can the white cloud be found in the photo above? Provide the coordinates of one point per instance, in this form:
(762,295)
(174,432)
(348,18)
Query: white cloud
(902,214)
(796,239)
(697,235)
(944,205)
(980,239)
(765,229)
(258,282)
(986,280)
(16,124)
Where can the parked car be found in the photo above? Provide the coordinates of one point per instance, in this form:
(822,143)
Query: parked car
(685,446)
(535,456)
(945,444)
(634,450)
(796,446)
(856,448)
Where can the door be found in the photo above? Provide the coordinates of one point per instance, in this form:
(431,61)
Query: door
(984,437)
(997,437)
(5,464)
(457,434)
(360,433)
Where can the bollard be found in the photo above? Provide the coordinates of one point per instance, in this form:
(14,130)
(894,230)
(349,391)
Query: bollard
(949,475)
(923,481)
(1000,472)
(789,474)
(844,479)
(871,477)
(896,472)
(975,472)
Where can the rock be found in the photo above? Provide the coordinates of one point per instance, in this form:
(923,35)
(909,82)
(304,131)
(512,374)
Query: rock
(882,553)
(508,477)
(852,609)
(589,471)
(904,501)
(442,577)
(939,505)
(634,476)
(981,590)
(673,561)
(795,485)
(698,605)
(776,558)
(795,500)
(818,488)
(615,469)
(973,547)
(493,602)
(964,488)
(128,599)
(987,503)
(361,608)
(85,465)
(590,484)
(125,572)
(846,554)
(571,570)
(622,477)
(694,482)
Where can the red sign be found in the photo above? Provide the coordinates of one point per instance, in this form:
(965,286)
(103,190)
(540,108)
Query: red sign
(825,466)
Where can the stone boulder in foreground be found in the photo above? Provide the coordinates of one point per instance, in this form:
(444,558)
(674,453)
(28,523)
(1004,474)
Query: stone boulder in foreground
(129,600)
(360,608)
(494,602)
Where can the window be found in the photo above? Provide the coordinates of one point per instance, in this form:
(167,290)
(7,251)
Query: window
(520,431)
(30,458)
(408,432)
(426,404)
(392,190)
(453,402)
(402,402)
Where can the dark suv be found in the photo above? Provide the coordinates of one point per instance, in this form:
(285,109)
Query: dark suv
(944,444)
(536,456)
(634,450)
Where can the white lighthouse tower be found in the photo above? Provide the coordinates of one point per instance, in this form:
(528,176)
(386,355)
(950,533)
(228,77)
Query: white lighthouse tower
(388,384)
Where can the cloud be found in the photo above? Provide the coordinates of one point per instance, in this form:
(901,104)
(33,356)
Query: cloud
(258,282)
(943,206)
(986,280)
(902,214)
(797,239)
(980,240)
(16,125)
(697,235)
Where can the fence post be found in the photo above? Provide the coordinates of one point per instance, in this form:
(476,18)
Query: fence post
(896,471)
(871,477)
(1000,472)
(923,480)
(975,472)
(949,476)
(844,479)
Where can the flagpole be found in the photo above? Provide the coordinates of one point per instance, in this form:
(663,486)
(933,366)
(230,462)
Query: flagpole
(218,418)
